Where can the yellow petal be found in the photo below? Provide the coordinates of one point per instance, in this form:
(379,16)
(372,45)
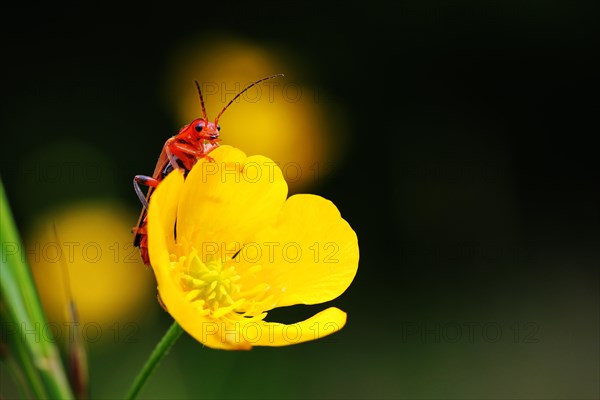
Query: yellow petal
(226,200)
(309,256)
(162,213)
(161,223)
(318,326)
(243,335)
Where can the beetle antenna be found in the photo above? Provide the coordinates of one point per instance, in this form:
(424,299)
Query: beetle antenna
(240,93)
(201,101)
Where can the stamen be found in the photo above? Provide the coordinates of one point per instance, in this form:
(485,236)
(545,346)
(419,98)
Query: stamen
(214,287)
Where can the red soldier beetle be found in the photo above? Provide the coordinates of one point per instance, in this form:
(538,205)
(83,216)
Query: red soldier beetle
(193,142)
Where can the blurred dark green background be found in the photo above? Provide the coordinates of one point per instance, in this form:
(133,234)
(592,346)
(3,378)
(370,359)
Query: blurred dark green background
(471,181)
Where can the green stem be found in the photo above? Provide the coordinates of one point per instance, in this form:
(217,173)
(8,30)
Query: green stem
(162,348)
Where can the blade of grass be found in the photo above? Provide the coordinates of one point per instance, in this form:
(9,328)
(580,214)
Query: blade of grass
(9,360)
(35,351)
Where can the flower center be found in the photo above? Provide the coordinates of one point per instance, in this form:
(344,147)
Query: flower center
(214,286)
(209,284)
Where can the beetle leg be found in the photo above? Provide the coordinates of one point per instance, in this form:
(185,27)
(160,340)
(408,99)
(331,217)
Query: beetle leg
(170,154)
(144,180)
(186,149)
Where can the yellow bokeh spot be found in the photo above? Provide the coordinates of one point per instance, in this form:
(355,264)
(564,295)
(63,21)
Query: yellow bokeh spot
(286,119)
(111,287)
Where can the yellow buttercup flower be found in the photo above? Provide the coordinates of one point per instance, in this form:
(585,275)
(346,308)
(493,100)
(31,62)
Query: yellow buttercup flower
(227,246)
